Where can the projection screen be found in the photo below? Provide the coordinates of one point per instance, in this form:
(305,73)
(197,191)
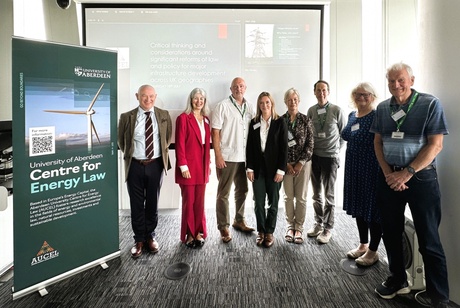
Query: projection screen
(176,48)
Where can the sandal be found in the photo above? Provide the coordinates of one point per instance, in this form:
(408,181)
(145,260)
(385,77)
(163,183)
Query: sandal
(298,239)
(289,236)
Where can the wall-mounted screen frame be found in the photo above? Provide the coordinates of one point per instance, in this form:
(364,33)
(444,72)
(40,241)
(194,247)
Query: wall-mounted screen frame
(177,47)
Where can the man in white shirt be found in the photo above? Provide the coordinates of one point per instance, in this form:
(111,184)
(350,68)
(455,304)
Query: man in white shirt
(230,121)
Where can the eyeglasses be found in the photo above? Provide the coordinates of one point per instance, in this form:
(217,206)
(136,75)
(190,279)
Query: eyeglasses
(364,95)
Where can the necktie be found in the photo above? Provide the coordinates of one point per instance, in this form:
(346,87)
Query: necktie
(148,135)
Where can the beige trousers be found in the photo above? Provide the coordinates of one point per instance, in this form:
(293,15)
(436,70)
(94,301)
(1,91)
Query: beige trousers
(295,197)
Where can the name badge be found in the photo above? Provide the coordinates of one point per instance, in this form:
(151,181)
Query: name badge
(256,126)
(291,143)
(290,136)
(398,115)
(355,127)
(322,135)
(322,111)
(206,121)
(397,135)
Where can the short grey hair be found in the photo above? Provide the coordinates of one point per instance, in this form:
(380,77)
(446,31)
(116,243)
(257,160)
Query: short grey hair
(399,67)
(289,92)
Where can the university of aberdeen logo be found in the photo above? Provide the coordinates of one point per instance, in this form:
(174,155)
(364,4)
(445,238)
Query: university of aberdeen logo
(92,73)
(45,253)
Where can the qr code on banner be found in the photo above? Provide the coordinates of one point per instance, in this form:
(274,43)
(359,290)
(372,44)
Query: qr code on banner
(42,141)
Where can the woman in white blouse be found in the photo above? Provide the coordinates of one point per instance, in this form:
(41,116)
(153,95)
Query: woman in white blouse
(266,159)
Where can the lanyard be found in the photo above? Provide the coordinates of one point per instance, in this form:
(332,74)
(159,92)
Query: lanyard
(322,119)
(401,121)
(290,125)
(239,109)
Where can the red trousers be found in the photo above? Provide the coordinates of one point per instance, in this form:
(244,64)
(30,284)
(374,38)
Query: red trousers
(193,217)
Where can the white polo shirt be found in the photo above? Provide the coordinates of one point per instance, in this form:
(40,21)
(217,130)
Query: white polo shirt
(233,122)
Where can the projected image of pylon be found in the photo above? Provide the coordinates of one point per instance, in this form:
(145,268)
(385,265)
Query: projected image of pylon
(258,38)
(88,112)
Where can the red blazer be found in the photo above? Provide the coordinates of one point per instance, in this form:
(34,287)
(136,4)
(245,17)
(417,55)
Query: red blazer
(191,151)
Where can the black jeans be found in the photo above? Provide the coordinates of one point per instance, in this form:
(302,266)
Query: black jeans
(266,218)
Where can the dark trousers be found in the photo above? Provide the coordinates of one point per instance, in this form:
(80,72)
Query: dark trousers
(424,199)
(372,227)
(266,218)
(323,176)
(144,184)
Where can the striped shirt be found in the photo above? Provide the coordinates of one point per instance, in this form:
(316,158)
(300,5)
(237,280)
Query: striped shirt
(425,118)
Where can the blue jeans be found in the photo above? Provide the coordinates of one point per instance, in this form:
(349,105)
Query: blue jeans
(424,199)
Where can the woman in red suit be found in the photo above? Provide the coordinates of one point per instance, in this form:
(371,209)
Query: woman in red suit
(193,139)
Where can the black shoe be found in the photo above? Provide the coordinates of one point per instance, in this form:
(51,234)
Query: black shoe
(199,243)
(190,241)
(190,244)
(390,288)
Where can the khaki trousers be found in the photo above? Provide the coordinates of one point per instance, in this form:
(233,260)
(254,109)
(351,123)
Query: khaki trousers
(295,197)
(234,173)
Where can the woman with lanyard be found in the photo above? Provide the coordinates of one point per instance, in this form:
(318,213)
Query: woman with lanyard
(300,150)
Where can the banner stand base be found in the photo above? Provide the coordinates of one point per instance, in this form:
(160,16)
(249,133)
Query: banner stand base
(41,287)
(43,292)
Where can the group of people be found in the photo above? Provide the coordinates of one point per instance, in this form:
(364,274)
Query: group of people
(390,161)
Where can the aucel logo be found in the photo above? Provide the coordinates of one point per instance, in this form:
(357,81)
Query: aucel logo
(45,253)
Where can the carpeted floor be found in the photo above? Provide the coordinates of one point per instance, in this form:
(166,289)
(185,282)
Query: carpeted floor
(237,274)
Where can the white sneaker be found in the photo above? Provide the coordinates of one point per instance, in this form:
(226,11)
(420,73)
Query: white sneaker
(315,230)
(324,237)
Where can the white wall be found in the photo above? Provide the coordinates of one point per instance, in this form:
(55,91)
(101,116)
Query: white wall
(6,26)
(437,73)
(59,26)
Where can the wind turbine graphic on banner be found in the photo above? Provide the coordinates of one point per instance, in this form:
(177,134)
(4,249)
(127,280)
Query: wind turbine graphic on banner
(89,112)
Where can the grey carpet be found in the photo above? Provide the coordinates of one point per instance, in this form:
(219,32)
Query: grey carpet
(237,274)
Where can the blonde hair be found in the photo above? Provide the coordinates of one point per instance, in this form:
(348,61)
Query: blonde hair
(289,92)
(259,112)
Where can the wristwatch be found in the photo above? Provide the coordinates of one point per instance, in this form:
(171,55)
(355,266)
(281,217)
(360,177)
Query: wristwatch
(411,170)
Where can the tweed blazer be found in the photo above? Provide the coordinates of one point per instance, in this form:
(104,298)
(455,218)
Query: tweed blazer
(126,135)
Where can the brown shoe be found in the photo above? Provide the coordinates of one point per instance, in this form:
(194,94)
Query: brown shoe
(136,251)
(241,226)
(225,235)
(152,245)
(260,239)
(269,240)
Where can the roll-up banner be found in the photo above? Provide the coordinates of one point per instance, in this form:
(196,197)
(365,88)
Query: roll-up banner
(65,198)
